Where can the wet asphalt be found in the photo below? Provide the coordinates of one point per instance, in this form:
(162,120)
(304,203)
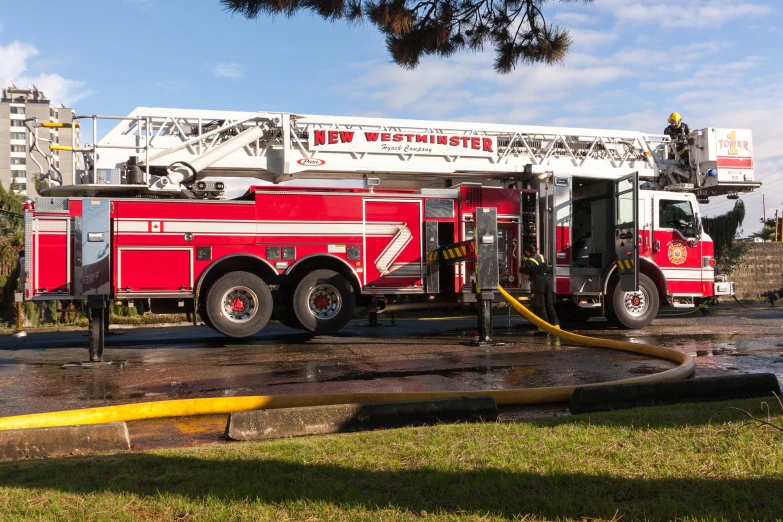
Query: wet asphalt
(413,354)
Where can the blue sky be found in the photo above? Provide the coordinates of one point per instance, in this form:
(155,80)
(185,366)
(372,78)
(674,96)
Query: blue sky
(633,62)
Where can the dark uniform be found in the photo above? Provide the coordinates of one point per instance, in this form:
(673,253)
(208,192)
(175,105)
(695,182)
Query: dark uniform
(774,296)
(541,298)
(678,135)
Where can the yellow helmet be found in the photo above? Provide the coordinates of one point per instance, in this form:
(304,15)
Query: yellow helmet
(675,118)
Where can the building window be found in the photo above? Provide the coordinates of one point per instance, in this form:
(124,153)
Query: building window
(17,135)
(19,187)
(18,148)
(19,174)
(17,123)
(18,161)
(17,110)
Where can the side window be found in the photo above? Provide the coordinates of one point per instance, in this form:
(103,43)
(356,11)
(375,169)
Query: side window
(677,215)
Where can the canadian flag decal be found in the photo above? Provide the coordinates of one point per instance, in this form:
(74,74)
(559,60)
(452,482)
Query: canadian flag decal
(155,226)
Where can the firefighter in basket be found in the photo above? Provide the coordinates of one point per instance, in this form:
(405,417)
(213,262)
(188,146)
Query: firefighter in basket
(678,132)
(533,268)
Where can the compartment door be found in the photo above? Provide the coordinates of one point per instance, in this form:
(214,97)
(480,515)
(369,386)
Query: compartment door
(393,256)
(52,256)
(155,270)
(626,231)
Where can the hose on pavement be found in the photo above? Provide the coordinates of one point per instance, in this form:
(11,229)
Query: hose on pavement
(223,405)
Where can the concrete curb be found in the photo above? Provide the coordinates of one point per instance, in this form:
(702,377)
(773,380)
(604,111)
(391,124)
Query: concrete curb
(63,441)
(319,420)
(619,396)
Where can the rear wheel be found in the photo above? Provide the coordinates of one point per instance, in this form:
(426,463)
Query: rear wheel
(239,304)
(323,302)
(633,309)
(284,309)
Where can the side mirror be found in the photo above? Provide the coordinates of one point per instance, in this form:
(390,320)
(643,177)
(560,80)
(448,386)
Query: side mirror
(698,227)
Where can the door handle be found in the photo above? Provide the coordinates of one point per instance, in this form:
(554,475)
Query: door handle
(657,247)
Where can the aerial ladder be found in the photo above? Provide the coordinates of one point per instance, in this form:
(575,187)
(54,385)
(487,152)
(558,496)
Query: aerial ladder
(171,152)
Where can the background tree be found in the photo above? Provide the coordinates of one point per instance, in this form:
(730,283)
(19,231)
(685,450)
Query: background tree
(768,232)
(723,231)
(516,29)
(11,244)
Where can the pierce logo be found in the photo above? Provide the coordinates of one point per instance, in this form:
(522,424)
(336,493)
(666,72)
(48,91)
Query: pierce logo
(678,252)
(311,162)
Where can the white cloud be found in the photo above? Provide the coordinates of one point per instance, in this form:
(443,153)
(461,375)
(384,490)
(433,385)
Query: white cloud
(59,89)
(228,70)
(14,60)
(677,14)
(441,88)
(571,18)
(590,39)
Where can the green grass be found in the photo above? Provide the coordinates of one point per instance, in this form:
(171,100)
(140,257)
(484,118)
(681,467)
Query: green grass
(643,464)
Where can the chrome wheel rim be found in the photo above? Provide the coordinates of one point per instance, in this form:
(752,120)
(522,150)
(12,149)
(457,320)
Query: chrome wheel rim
(637,303)
(324,301)
(240,304)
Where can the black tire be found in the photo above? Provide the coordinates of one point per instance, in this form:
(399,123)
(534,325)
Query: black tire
(202,310)
(202,314)
(239,305)
(634,310)
(284,309)
(324,302)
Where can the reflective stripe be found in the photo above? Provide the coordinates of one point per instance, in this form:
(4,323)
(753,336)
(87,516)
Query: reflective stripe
(537,259)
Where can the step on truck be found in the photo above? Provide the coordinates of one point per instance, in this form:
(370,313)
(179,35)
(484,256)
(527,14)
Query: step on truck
(178,211)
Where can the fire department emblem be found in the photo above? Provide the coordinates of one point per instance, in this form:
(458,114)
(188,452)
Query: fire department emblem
(678,252)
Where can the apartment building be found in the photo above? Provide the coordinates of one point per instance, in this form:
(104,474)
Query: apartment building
(18,169)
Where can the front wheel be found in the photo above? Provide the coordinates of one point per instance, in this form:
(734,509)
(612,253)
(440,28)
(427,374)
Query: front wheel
(633,309)
(239,304)
(324,302)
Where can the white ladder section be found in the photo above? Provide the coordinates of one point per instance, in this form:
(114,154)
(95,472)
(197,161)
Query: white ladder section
(334,147)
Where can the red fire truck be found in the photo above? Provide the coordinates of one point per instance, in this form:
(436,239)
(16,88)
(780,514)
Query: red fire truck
(165,214)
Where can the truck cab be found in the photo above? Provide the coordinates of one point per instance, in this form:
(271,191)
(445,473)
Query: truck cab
(622,252)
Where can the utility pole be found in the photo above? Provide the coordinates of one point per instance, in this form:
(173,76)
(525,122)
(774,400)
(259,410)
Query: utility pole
(776,227)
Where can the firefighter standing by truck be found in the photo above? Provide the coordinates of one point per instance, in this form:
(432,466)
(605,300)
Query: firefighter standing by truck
(533,268)
(777,294)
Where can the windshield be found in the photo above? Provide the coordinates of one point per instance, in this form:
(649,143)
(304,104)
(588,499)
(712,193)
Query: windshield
(678,215)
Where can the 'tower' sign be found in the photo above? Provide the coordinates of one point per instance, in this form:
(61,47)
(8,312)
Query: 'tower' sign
(403,143)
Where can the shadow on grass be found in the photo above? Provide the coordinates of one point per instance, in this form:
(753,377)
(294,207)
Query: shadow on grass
(501,492)
(674,415)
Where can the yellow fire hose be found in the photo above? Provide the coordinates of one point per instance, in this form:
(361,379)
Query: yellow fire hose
(223,405)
